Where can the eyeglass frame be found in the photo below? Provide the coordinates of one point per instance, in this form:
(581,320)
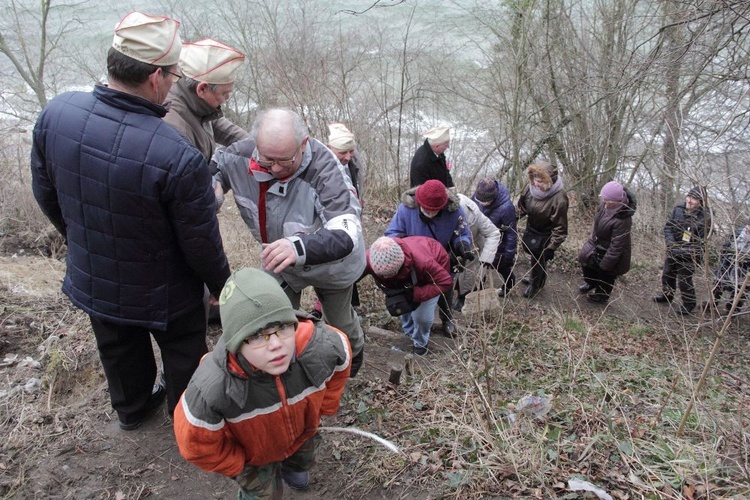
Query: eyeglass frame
(283,163)
(174,75)
(262,339)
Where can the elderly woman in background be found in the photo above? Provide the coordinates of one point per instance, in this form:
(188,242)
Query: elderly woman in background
(606,253)
(545,204)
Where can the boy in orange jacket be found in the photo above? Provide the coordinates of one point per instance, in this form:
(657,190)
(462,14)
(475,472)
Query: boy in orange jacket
(252,409)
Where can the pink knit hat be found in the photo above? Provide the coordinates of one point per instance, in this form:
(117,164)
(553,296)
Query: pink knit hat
(432,195)
(386,257)
(613,191)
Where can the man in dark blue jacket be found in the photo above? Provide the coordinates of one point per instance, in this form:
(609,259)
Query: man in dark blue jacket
(133,200)
(685,233)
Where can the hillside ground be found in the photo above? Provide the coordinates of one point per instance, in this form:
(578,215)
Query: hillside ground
(620,379)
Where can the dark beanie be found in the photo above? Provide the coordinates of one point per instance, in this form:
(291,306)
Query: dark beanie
(486,191)
(432,195)
(698,193)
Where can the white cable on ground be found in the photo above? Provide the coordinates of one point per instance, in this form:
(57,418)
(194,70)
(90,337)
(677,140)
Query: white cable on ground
(360,432)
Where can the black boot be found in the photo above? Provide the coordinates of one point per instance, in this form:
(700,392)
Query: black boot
(460,302)
(663,298)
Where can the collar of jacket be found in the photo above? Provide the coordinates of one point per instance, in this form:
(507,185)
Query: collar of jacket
(128,102)
(194,104)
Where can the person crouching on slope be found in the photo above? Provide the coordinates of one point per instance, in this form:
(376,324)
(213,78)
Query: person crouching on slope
(252,409)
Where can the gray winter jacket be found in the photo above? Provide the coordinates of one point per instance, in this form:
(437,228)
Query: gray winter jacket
(316,209)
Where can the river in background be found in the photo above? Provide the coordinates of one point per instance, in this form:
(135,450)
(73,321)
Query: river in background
(79,60)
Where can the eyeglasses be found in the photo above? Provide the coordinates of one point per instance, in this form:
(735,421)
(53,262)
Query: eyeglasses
(260,341)
(175,75)
(267,164)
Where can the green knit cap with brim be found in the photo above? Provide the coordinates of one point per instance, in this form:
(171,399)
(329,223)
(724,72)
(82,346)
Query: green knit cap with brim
(251,301)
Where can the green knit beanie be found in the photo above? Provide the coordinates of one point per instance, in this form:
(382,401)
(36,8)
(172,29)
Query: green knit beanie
(251,301)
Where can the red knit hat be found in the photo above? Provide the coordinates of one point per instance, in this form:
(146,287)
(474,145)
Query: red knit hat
(432,195)
(386,257)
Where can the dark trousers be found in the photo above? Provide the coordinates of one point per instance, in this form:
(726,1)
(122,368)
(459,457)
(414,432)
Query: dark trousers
(601,281)
(679,273)
(509,278)
(538,271)
(130,366)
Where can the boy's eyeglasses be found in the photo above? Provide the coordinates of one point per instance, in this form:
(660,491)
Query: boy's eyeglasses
(260,341)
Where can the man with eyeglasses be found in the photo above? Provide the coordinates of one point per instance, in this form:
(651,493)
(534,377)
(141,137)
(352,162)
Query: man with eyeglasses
(301,206)
(209,70)
(252,409)
(133,200)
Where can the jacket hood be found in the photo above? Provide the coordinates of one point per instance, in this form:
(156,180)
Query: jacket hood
(409,200)
(503,197)
(544,169)
(628,209)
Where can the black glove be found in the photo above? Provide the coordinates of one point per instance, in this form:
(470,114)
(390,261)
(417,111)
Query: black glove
(400,301)
(549,254)
(507,261)
(463,249)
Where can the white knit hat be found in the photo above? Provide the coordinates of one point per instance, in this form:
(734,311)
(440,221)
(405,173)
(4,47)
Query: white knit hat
(210,61)
(386,257)
(438,135)
(340,137)
(149,39)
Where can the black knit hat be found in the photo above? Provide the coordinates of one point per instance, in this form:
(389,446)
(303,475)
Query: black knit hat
(698,193)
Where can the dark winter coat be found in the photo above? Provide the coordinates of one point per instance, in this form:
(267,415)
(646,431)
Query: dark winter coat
(502,213)
(685,233)
(449,226)
(426,165)
(134,201)
(550,211)
(610,242)
(430,262)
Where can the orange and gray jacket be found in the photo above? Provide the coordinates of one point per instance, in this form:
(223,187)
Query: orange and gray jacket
(230,416)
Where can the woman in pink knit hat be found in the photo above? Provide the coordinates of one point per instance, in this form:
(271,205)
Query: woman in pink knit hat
(606,253)
(413,272)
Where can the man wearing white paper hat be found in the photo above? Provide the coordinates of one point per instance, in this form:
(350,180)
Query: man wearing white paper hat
(209,70)
(341,141)
(429,161)
(133,200)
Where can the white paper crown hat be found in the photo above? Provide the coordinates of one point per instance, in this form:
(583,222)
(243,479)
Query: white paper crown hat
(210,61)
(150,39)
(438,135)
(340,137)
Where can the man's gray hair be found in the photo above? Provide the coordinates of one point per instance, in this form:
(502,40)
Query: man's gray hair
(300,129)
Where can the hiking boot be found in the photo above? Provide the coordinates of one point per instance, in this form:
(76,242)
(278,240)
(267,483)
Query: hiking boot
(357,361)
(501,292)
(597,298)
(526,280)
(459,302)
(686,309)
(296,480)
(449,328)
(158,393)
(531,292)
(419,350)
(663,298)
(585,288)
